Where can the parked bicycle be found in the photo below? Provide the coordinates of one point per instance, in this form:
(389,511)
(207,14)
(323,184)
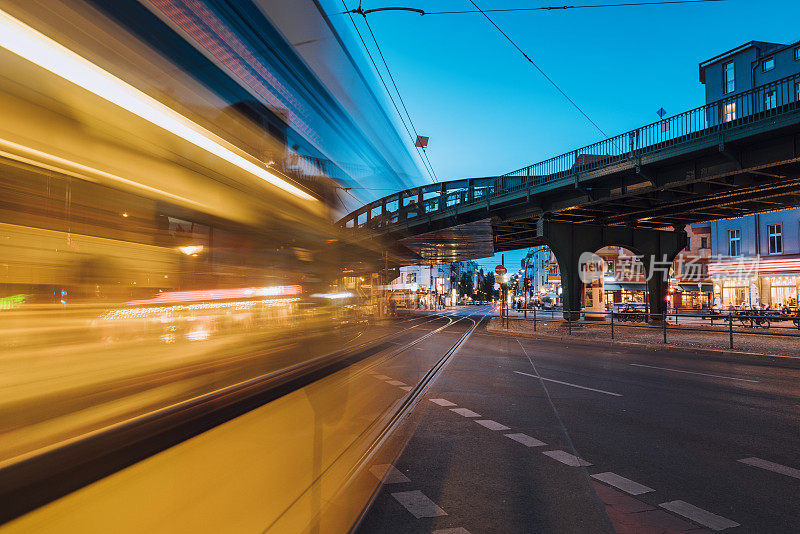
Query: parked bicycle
(754,318)
(631,314)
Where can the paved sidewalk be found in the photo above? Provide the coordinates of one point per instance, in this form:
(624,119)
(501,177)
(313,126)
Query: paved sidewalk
(716,338)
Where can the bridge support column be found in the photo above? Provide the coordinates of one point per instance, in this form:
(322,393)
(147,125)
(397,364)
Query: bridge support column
(568,241)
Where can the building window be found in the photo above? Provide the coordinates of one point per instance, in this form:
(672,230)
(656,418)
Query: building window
(411,278)
(728,77)
(703,242)
(769,64)
(797,54)
(729,112)
(775,239)
(734,243)
(797,91)
(770,99)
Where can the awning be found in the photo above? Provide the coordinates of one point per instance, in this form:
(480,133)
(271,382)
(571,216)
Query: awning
(692,288)
(625,287)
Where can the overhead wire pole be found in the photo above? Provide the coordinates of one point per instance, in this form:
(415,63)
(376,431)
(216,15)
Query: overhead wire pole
(428,169)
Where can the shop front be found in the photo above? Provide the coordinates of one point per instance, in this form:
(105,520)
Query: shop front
(734,291)
(757,282)
(616,293)
(777,292)
(780,291)
(694,296)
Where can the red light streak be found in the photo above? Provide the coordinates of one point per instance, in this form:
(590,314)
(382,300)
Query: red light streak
(219,294)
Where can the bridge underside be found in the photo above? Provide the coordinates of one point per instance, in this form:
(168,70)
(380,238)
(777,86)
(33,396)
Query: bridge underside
(455,243)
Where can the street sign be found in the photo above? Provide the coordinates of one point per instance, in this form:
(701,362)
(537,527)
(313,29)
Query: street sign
(661,112)
(500,270)
(422,141)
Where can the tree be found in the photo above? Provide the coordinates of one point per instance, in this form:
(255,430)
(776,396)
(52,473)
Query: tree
(465,287)
(488,286)
(454,275)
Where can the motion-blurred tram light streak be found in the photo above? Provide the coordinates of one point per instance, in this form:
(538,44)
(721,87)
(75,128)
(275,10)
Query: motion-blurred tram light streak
(39,49)
(43,160)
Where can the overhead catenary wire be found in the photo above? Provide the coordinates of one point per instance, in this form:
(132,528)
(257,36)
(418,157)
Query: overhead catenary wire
(428,169)
(538,68)
(361,11)
(399,96)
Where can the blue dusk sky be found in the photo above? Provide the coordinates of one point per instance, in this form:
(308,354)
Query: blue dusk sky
(487,111)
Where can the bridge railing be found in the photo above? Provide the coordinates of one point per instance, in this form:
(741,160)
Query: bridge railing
(759,104)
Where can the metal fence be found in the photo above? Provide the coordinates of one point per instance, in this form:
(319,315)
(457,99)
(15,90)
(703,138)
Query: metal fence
(761,323)
(756,105)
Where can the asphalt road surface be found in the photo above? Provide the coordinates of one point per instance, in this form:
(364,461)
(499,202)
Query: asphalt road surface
(521,435)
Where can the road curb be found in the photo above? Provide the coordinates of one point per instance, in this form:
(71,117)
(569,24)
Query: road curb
(794,361)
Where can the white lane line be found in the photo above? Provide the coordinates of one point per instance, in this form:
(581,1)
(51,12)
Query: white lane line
(698,515)
(567,458)
(492,425)
(691,372)
(382,377)
(620,482)
(418,504)
(457,530)
(395,383)
(465,412)
(443,402)
(388,473)
(526,440)
(569,384)
(407,388)
(772,466)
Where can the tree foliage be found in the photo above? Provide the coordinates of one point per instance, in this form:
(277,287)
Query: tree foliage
(465,286)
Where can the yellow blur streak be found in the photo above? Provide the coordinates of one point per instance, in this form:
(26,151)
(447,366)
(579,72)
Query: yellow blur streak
(62,166)
(39,49)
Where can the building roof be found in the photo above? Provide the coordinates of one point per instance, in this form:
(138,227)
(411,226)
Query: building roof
(765,47)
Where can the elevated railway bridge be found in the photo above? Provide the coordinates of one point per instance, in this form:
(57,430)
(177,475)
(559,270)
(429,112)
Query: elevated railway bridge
(636,190)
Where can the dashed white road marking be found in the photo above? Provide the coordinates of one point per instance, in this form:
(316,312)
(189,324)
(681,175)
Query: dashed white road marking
(620,482)
(691,372)
(388,473)
(492,425)
(382,377)
(407,388)
(443,402)
(772,466)
(567,458)
(457,530)
(698,515)
(526,440)
(465,412)
(395,383)
(569,384)
(418,504)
